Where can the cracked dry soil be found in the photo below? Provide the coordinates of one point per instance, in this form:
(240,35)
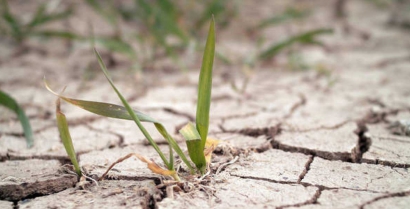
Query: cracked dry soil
(290,140)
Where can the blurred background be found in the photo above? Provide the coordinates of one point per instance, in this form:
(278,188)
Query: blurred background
(150,35)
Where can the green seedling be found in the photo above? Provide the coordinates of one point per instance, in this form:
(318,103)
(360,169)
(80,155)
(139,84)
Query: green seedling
(66,137)
(10,103)
(303,38)
(14,28)
(198,148)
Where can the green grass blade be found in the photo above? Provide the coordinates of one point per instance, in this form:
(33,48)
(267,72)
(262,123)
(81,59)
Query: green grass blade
(120,112)
(10,103)
(66,137)
(161,129)
(195,150)
(131,111)
(304,38)
(205,85)
(56,34)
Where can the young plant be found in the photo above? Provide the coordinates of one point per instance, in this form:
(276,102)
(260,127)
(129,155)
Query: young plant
(66,137)
(198,148)
(10,103)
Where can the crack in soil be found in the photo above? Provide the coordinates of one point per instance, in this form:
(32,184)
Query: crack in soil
(363,143)
(239,116)
(297,105)
(255,132)
(386,163)
(305,184)
(311,201)
(179,113)
(23,191)
(62,159)
(120,137)
(397,194)
(391,139)
(332,156)
(322,127)
(307,168)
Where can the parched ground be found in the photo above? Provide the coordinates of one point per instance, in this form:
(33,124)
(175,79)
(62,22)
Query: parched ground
(304,139)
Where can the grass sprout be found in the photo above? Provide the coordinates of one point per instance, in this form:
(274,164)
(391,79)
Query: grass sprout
(66,137)
(7,101)
(198,147)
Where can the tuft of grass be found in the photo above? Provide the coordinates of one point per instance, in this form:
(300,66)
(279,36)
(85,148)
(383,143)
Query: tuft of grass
(196,136)
(7,101)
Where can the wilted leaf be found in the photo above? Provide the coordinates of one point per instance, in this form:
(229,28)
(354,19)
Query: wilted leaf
(66,137)
(120,112)
(210,146)
(155,168)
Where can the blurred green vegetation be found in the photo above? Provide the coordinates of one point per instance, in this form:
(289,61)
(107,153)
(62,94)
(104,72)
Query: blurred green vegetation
(145,31)
(14,27)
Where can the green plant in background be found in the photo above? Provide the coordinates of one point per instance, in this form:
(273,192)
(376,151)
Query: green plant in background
(10,103)
(164,27)
(117,42)
(198,148)
(14,28)
(303,38)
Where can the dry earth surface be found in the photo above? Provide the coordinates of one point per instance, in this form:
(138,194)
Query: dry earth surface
(296,139)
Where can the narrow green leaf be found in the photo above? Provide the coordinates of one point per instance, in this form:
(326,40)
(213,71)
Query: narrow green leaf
(56,34)
(131,112)
(304,38)
(10,103)
(205,85)
(120,112)
(66,137)
(195,150)
(103,109)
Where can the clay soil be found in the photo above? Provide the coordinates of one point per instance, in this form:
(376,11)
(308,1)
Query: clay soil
(325,131)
